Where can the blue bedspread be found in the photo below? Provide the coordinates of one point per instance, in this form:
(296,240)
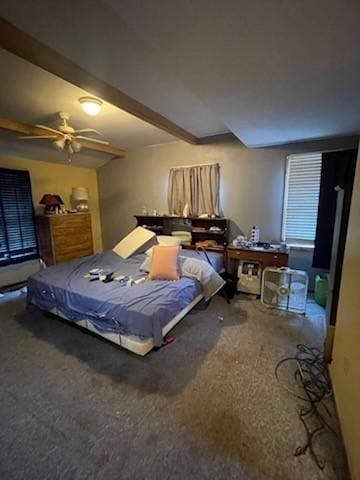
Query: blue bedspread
(141,310)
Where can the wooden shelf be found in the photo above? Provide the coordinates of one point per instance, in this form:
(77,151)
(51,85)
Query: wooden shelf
(198,227)
(211,232)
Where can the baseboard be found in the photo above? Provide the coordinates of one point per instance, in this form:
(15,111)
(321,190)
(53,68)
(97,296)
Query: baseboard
(338,416)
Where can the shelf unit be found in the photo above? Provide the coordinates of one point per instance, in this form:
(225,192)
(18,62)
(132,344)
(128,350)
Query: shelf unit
(198,227)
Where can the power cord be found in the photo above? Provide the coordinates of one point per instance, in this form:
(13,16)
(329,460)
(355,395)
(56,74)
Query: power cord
(312,377)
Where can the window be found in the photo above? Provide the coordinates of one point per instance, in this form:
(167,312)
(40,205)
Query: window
(301,198)
(196,186)
(17,227)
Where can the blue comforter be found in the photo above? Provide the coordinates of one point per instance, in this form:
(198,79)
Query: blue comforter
(141,310)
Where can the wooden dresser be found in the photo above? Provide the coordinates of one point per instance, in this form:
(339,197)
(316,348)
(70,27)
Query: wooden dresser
(64,237)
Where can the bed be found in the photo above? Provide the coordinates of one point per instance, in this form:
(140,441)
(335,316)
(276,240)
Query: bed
(135,317)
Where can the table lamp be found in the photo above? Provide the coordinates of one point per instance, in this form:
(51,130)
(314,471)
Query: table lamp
(51,202)
(80,196)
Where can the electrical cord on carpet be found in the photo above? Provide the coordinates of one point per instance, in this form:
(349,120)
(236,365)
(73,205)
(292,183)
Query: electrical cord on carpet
(312,377)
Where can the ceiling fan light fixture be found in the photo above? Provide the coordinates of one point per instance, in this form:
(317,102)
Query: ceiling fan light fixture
(90,105)
(60,143)
(76,146)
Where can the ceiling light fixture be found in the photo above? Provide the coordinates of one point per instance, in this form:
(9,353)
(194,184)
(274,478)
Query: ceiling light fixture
(60,143)
(90,105)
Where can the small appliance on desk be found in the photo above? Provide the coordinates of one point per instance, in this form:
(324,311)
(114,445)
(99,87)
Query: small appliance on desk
(249,277)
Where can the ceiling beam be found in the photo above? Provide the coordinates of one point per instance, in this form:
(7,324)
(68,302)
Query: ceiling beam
(26,129)
(29,48)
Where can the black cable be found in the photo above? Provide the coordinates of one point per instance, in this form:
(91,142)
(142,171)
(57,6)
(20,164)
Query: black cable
(312,377)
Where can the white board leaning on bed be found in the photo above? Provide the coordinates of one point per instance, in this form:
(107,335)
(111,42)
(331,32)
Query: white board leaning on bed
(133,242)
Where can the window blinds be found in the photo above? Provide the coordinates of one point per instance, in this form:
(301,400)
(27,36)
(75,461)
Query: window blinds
(17,226)
(301,200)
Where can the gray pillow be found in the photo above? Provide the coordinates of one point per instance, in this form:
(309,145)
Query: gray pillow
(145,266)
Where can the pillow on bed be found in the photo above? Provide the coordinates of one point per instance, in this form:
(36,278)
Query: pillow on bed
(164,240)
(164,263)
(145,266)
(168,240)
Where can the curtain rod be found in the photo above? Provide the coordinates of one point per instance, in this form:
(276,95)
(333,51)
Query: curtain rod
(195,165)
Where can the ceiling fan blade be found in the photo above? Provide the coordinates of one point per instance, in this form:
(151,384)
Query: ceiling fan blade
(31,137)
(88,130)
(92,140)
(50,129)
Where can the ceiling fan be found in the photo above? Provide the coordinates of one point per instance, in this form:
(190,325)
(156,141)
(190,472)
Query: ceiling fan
(66,137)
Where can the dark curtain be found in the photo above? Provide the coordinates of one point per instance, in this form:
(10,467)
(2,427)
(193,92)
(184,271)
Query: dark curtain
(338,168)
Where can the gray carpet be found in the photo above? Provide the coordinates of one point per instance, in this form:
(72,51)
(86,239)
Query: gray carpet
(207,406)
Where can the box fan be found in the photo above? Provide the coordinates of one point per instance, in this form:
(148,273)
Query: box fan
(284,288)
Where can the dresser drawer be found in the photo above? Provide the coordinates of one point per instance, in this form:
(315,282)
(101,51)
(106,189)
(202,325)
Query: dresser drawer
(70,221)
(73,241)
(267,259)
(73,237)
(69,231)
(65,256)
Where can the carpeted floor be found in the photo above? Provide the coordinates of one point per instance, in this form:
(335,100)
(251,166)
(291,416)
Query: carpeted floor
(207,406)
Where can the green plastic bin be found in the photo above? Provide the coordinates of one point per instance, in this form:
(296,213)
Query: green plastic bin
(321,290)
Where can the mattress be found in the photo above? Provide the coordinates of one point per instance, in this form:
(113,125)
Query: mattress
(141,310)
(140,346)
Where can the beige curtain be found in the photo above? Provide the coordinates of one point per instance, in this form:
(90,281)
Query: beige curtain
(197,186)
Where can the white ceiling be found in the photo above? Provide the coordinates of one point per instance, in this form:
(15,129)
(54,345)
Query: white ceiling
(270,72)
(31,95)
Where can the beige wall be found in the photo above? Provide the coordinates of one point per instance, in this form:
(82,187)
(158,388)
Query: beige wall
(345,367)
(252,183)
(49,177)
(140,179)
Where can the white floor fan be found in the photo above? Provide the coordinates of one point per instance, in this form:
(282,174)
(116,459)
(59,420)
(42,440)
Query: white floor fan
(285,289)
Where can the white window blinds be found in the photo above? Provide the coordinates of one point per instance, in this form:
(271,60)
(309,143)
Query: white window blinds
(301,199)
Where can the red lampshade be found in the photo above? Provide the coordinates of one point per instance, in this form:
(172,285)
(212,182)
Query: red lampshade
(50,200)
(59,199)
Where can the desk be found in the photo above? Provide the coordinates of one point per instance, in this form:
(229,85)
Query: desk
(267,258)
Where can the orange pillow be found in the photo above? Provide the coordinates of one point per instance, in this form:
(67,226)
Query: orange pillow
(164,263)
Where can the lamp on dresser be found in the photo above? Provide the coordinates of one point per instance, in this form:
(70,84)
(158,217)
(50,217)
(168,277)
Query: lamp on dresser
(80,197)
(51,202)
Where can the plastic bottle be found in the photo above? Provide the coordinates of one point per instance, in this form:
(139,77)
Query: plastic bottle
(255,234)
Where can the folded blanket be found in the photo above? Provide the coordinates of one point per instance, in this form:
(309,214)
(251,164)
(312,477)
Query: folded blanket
(202,271)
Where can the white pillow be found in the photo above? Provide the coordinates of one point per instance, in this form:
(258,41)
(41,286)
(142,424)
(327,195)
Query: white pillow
(145,266)
(168,240)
